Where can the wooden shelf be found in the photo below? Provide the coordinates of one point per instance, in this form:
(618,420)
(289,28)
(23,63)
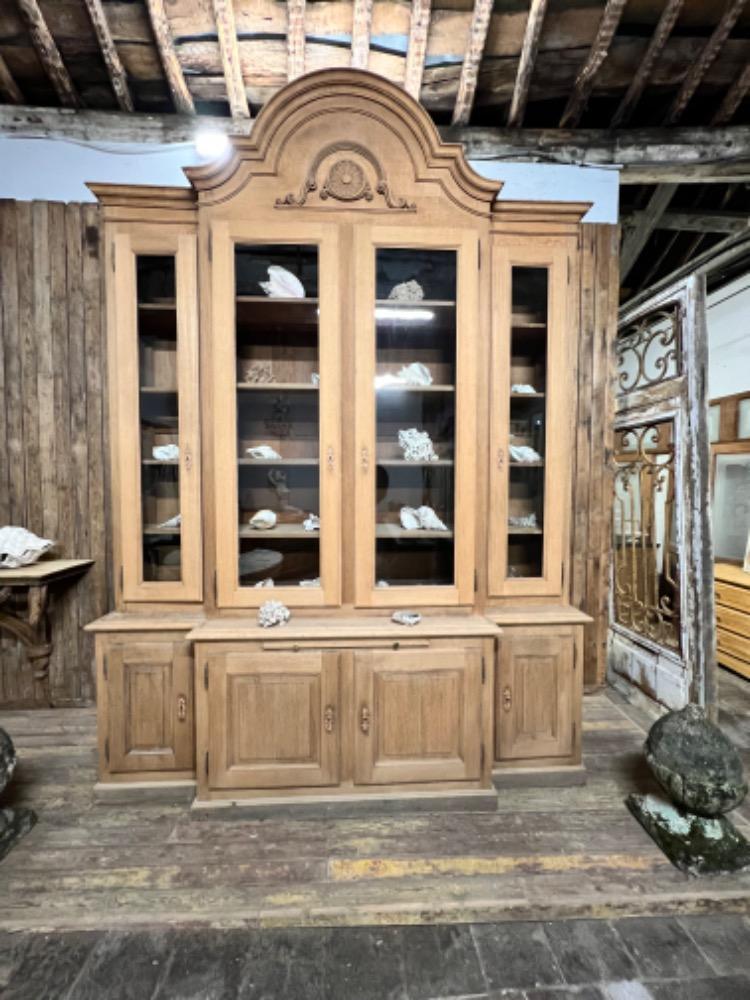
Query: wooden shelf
(276,299)
(160,461)
(518,530)
(155,529)
(278,461)
(277,387)
(279,531)
(415,388)
(527,395)
(156,390)
(519,323)
(158,306)
(422,304)
(396,531)
(526,465)
(402,462)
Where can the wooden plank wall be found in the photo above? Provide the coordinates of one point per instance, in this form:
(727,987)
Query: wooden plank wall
(592,500)
(52,423)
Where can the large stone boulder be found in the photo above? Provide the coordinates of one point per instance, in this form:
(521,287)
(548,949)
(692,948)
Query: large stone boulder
(14,823)
(695,763)
(7,759)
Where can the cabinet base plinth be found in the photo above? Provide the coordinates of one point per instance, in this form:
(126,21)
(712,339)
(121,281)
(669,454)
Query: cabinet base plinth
(539,777)
(374,803)
(167,792)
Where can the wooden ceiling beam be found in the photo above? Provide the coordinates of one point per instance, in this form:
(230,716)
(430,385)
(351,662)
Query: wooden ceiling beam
(361,23)
(598,52)
(48,53)
(295,39)
(419,28)
(659,39)
(732,98)
(9,89)
(467,82)
(707,221)
(644,223)
(181,96)
(229,48)
(110,55)
(697,71)
(529,49)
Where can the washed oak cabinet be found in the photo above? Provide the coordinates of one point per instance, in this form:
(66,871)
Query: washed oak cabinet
(342,376)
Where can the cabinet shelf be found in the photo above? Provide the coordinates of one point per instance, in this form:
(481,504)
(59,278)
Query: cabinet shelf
(516,530)
(158,306)
(277,387)
(157,390)
(421,304)
(155,529)
(403,463)
(277,299)
(160,461)
(414,388)
(526,465)
(396,531)
(278,461)
(527,395)
(279,531)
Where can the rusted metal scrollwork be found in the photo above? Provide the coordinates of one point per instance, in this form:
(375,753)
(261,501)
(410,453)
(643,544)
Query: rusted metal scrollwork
(649,351)
(646,553)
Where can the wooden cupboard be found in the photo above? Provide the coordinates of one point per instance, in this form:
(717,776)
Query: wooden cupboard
(343,377)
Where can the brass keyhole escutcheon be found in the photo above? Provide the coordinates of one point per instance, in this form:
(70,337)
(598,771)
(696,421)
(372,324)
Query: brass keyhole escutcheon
(182,708)
(507,699)
(329,718)
(364,719)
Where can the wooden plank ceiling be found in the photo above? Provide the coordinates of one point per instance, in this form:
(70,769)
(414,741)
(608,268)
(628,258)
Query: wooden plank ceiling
(552,65)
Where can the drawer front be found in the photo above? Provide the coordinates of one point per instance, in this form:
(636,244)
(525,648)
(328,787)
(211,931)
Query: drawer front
(732,597)
(733,621)
(736,645)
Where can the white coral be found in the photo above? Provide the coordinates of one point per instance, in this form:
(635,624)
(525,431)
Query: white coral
(416,445)
(273,613)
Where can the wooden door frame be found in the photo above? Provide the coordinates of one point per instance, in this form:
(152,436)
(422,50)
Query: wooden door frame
(560,416)
(222,412)
(368,238)
(125,419)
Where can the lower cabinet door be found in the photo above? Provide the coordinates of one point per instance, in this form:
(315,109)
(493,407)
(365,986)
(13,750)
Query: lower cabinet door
(149,706)
(273,719)
(534,693)
(418,716)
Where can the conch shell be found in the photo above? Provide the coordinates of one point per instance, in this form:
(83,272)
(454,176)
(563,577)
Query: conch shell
(282,284)
(263,520)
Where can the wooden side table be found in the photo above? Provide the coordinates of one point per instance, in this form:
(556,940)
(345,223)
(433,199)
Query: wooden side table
(32,628)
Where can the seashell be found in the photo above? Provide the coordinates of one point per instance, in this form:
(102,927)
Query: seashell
(282,284)
(311,523)
(382,583)
(428,519)
(258,373)
(273,613)
(19,547)
(523,521)
(315,582)
(258,560)
(416,445)
(409,519)
(263,451)
(415,374)
(263,520)
(172,522)
(268,582)
(523,453)
(165,452)
(407,291)
(523,388)
(315,378)
(406,617)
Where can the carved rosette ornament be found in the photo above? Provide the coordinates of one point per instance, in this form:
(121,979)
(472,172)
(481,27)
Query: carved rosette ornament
(346,180)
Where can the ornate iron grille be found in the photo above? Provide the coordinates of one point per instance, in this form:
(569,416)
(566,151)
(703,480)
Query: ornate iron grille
(649,351)
(646,558)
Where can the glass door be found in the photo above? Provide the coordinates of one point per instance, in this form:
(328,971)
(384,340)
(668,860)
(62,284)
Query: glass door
(415,322)
(156,417)
(531,421)
(276,414)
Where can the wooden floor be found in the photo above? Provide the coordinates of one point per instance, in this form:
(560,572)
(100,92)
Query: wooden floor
(545,854)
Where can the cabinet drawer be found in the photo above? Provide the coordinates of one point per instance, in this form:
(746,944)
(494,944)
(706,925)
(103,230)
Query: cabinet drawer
(732,597)
(733,621)
(736,645)
(418,716)
(146,707)
(273,719)
(537,693)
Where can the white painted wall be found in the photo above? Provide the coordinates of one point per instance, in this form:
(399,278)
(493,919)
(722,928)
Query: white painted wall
(57,170)
(728,322)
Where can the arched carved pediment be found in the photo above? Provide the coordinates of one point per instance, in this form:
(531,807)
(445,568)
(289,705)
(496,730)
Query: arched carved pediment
(350,173)
(303,132)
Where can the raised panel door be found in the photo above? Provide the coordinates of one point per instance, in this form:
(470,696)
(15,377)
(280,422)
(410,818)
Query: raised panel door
(418,716)
(275,351)
(149,706)
(534,693)
(273,719)
(155,416)
(531,419)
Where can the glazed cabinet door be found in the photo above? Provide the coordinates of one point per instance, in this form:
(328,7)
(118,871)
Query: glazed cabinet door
(275,410)
(273,719)
(416,320)
(418,716)
(537,692)
(155,415)
(532,418)
(149,704)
